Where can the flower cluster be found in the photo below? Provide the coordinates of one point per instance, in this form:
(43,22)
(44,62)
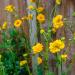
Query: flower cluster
(58,22)
(10,8)
(37,48)
(22,51)
(56,46)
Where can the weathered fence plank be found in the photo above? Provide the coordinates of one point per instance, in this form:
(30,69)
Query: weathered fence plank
(33,36)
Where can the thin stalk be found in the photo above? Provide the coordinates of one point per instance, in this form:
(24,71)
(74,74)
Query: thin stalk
(28,69)
(46,54)
(49,18)
(59,65)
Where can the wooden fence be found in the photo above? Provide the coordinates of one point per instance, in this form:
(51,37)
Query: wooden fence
(66,8)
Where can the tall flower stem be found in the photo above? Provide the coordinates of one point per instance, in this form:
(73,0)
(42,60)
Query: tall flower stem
(28,69)
(46,55)
(59,64)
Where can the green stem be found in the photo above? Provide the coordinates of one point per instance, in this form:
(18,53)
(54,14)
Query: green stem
(46,54)
(49,19)
(59,64)
(28,69)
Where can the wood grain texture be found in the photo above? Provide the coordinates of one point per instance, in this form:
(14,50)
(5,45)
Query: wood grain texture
(66,9)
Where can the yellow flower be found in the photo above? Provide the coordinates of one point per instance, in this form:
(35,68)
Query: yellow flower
(41,18)
(40,9)
(57,21)
(56,46)
(37,48)
(58,2)
(31,7)
(42,31)
(10,8)
(32,0)
(54,30)
(29,17)
(4,26)
(39,60)
(23,62)
(17,23)
(64,56)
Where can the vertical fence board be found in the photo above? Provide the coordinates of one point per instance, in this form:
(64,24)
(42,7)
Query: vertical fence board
(33,36)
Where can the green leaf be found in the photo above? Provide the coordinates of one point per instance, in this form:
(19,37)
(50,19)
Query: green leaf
(64,73)
(13,32)
(2,69)
(50,73)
